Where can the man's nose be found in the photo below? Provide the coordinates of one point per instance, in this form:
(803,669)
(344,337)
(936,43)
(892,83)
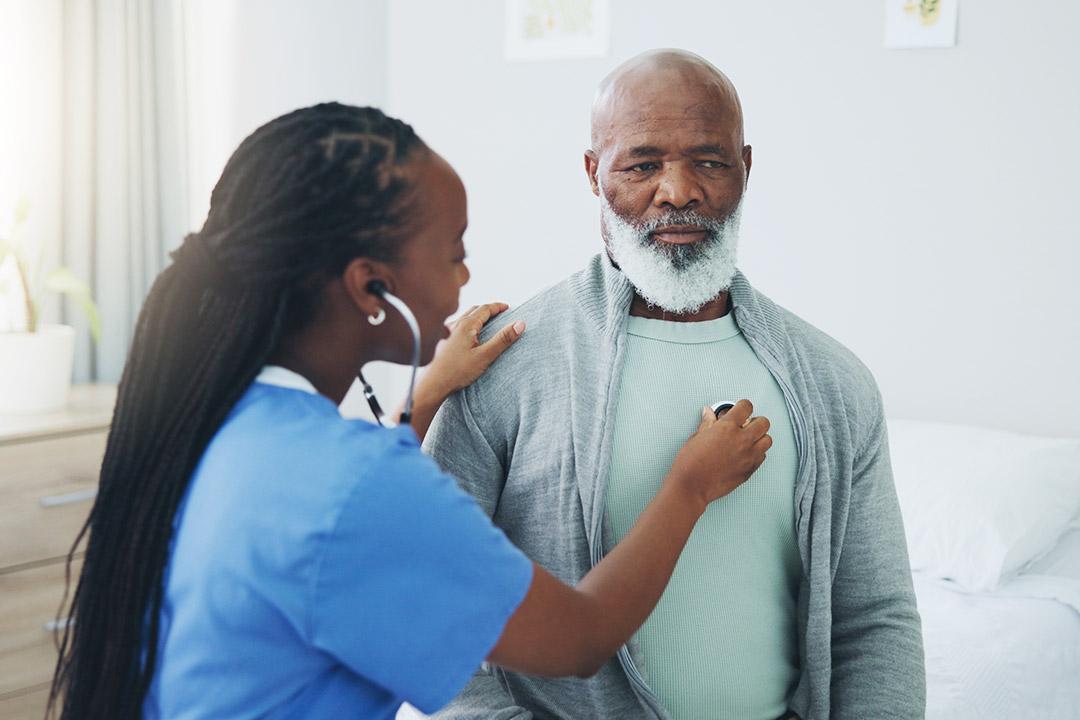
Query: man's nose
(678,188)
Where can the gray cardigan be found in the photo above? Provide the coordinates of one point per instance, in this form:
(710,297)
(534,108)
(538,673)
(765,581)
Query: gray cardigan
(531,440)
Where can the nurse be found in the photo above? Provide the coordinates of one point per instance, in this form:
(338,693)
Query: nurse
(253,554)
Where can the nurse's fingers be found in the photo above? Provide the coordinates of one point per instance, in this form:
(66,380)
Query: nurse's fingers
(480,314)
(477,316)
(741,413)
(708,418)
(503,339)
(758,426)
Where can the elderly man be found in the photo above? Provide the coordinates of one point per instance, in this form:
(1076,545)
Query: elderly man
(793,597)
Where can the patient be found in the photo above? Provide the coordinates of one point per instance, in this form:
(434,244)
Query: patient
(793,597)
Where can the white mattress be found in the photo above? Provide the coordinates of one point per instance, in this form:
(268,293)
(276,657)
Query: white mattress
(1009,655)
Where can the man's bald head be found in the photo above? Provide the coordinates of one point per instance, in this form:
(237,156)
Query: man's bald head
(675,79)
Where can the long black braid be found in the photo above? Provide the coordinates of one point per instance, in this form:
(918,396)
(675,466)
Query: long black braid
(301,197)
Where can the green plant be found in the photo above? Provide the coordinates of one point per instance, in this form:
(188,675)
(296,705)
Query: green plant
(30,281)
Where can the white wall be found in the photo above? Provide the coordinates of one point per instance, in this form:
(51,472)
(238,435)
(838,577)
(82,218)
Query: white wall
(920,206)
(249,61)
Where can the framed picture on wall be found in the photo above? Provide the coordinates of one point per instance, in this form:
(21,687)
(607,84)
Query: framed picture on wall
(555,29)
(920,23)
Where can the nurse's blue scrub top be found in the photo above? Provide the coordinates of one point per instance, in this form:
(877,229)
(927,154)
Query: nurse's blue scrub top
(325,568)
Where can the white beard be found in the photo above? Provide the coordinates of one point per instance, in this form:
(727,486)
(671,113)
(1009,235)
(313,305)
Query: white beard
(678,279)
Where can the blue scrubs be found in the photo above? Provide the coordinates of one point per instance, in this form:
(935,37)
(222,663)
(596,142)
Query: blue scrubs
(325,568)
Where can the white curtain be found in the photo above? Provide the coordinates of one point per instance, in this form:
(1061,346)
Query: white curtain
(123,188)
(30,131)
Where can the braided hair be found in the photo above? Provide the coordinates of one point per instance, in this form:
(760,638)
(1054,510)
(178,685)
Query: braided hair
(299,199)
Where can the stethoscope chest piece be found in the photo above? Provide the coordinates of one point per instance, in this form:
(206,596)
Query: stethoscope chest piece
(719,408)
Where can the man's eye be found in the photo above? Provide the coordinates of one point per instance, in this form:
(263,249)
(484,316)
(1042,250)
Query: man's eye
(643,167)
(713,164)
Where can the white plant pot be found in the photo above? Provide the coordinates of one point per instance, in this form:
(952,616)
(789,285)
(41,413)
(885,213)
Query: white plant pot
(35,369)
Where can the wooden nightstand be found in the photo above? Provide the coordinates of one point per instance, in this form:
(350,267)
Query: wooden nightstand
(49,468)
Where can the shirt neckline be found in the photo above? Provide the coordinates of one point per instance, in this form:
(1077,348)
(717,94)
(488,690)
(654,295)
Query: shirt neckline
(704,331)
(285,378)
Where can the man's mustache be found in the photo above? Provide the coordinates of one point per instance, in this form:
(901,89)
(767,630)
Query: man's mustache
(678,217)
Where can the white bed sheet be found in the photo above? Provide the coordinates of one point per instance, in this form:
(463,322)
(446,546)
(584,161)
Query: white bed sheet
(1009,655)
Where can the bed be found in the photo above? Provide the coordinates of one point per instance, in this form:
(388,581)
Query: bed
(1008,654)
(992,520)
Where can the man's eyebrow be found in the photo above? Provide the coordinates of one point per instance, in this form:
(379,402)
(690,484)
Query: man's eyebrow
(708,150)
(643,151)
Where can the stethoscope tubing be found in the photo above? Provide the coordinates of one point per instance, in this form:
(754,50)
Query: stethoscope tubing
(369,394)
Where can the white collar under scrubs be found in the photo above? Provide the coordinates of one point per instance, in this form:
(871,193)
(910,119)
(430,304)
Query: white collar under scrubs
(324,568)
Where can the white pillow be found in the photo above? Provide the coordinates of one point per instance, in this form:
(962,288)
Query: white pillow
(978,503)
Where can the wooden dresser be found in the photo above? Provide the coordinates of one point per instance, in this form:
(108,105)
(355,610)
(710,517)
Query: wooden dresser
(48,476)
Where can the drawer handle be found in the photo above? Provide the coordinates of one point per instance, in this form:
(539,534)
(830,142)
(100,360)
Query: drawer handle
(68,498)
(54,625)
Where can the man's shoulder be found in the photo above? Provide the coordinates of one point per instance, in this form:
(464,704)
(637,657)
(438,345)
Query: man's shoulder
(826,359)
(845,393)
(556,327)
(814,339)
(569,306)
(545,313)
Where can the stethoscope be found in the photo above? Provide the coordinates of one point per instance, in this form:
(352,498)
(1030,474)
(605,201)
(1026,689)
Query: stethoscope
(719,408)
(377,287)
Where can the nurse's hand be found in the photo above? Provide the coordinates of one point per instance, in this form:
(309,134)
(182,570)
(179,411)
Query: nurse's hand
(460,360)
(722,454)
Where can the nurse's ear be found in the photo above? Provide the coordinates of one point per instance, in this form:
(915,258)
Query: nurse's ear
(361,277)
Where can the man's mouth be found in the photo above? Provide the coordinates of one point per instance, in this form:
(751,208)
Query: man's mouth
(679,234)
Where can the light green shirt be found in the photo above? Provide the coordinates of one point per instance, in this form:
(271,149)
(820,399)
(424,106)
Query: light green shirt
(722,642)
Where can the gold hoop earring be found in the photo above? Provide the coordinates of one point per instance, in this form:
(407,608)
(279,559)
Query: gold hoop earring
(377,318)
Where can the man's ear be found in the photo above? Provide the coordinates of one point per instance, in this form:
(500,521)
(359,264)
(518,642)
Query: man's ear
(358,276)
(748,159)
(592,166)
